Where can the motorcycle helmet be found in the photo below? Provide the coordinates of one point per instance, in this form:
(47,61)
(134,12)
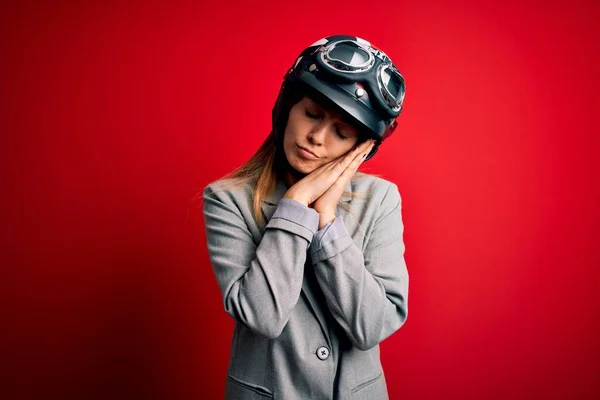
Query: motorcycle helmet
(352,75)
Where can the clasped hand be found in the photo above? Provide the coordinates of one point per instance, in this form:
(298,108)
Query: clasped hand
(322,188)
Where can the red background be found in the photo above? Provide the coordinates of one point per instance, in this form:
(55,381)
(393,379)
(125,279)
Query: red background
(113,115)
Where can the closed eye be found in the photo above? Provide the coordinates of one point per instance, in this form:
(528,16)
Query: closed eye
(340,134)
(317,116)
(311,115)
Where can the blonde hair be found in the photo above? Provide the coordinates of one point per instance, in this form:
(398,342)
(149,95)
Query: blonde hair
(260,172)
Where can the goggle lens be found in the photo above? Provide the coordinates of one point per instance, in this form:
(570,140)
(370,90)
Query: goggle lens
(349,56)
(393,83)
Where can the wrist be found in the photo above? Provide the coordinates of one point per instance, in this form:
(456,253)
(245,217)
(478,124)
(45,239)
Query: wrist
(325,218)
(295,197)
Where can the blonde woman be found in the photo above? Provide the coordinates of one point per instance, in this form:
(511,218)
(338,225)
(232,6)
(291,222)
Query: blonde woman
(308,253)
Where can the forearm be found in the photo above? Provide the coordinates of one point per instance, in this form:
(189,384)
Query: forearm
(367,307)
(260,284)
(325,218)
(358,300)
(265,295)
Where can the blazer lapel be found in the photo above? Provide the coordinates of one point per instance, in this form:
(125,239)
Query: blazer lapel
(269,204)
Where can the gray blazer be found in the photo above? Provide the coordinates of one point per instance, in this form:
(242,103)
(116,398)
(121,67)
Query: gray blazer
(310,306)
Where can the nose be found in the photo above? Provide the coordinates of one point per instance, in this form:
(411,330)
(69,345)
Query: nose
(318,133)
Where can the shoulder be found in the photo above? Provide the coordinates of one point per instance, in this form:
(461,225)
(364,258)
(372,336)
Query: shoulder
(233,187)
(376,188)
(229,191)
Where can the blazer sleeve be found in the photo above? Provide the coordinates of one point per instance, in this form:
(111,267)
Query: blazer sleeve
(367,293)
(260,285)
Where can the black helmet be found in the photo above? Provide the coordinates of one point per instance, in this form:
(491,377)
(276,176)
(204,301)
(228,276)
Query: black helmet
(358,78)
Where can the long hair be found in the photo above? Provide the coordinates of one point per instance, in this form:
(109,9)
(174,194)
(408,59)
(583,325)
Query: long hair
(261,172)
(269,163)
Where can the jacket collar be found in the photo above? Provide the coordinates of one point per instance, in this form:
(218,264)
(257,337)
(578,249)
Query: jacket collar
(280,188)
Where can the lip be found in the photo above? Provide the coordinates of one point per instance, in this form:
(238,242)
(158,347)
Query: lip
(304,152)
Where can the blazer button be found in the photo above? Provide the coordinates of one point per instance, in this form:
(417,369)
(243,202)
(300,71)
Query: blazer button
(323,353)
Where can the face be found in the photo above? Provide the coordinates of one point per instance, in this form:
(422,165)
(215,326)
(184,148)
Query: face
(315,136)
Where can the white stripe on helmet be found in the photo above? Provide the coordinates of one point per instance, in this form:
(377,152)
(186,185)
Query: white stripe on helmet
(297,61)
(363,41)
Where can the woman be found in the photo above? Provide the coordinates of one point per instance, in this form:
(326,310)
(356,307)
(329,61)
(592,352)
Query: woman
(307,252)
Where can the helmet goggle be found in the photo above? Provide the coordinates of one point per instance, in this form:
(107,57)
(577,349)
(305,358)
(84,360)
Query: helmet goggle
(349,59)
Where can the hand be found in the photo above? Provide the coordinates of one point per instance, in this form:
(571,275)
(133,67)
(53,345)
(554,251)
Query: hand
(335,173)
(326,204)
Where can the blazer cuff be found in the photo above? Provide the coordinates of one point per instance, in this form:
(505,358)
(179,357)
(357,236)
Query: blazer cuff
(295,217)
(320,233)
(330,241)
